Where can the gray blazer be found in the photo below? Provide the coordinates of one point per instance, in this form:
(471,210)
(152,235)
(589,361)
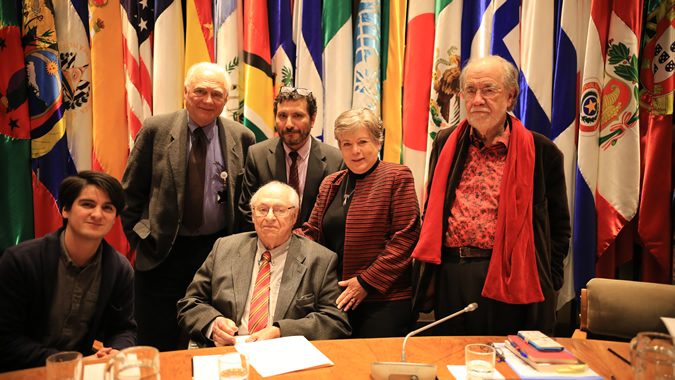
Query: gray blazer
(306,303)
(154,182)
(266,162)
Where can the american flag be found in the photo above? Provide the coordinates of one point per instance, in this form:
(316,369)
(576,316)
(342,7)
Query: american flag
(137,28)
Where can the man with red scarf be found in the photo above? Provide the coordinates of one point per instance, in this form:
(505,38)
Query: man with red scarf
(496,228)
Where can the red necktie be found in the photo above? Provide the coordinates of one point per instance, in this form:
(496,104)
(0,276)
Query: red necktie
(193,207)
(293,179)
(258,314)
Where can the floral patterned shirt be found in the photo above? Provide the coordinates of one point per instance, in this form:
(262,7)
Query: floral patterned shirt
(473,216)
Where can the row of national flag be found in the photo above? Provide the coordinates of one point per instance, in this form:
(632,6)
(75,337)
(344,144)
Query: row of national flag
(79,77)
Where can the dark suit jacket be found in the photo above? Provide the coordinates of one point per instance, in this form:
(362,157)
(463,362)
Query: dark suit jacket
(154,182)
(550,217)
(306,302)
(266,162)
(28,275)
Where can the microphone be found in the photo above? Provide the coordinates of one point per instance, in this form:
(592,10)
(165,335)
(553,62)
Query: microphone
(412,371)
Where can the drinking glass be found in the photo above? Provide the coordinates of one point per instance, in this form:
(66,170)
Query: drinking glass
(233,366)
(480,361)
(135,363)
(64,366)
(653,356)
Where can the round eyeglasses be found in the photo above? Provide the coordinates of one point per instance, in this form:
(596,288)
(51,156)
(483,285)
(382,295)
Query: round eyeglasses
(279,211)
(486,92)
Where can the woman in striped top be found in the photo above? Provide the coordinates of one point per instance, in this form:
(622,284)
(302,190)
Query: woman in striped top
(370,217)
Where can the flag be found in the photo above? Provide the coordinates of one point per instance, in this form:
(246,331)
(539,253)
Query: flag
(72,21)
(137,26)
(393,48)
(656,121)
(308,63)
(476,24)
(367,85)
(110,133)
(445,105)
(229,39)
(533,107)
(608,146)
(111,140)
(570,45)
(281,43)
(15,132)
(507,37)
(168,57)
(257,67)
(199,43)
(338,59)
(51,161)
(417,70)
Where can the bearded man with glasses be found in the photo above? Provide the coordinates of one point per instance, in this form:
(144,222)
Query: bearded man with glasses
(238,290)
(496,227)
(294,157)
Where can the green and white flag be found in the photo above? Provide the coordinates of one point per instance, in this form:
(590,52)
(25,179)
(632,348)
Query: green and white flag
(338,66)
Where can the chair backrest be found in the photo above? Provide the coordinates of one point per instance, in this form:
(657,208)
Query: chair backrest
(622,308)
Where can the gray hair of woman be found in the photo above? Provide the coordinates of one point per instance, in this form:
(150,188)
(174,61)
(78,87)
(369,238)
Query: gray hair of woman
(350,121)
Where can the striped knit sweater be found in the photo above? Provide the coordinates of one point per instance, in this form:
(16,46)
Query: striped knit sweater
(382,228)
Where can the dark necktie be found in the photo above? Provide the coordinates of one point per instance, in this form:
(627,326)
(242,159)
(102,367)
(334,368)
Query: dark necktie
(193,209)
(293,179)
(260,301)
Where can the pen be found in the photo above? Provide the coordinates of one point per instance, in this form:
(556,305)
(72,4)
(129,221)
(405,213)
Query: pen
(619,356)
(523,353)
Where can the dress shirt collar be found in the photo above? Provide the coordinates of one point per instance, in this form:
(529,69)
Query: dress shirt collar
(209,130)
(503,139)
(276,253)
(65,256)
(303,151)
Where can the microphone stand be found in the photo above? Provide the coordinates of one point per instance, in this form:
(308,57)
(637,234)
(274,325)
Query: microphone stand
(415,371)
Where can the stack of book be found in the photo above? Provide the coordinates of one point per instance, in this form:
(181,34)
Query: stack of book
(544,361)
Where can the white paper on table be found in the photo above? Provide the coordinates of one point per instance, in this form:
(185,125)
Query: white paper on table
(205,367)
(670,325)
(524,370)
(459,372)
(283,355)
(94,371)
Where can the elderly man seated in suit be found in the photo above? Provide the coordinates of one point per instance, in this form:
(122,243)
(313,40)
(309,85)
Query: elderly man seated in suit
(266,284)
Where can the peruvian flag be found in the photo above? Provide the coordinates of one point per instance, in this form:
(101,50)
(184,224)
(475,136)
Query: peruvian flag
(609,139)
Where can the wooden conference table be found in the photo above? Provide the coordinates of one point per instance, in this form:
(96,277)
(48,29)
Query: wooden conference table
(352,358)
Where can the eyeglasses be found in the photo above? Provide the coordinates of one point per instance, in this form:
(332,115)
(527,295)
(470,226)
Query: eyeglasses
(278,211)
(300,91)
(487,92)
(498,352)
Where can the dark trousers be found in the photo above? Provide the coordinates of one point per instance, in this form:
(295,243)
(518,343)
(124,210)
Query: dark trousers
(459,282)
(381,319)
(159,289)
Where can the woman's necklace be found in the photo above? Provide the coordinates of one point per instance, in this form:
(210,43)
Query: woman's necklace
(347,195)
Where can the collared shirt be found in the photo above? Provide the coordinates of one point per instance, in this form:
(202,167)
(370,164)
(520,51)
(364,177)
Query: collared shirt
(214,212)
(303,160)
(473,216)
(277,264)
(74,303)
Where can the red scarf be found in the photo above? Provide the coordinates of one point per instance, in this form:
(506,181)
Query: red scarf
(512,275)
